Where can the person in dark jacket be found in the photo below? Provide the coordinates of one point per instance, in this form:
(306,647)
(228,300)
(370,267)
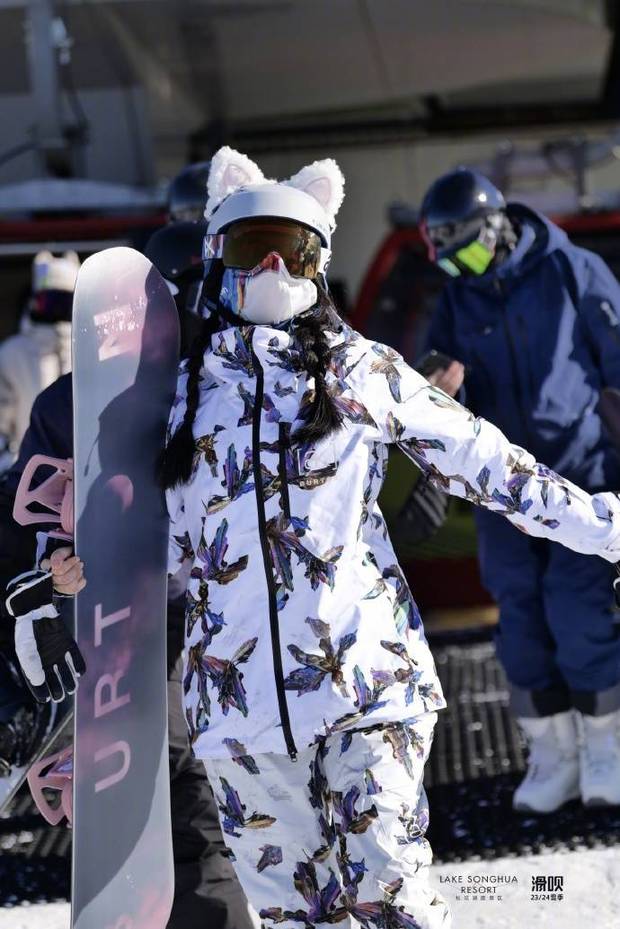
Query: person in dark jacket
(534,323)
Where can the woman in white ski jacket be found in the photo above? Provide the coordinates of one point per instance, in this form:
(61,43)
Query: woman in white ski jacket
(310,691)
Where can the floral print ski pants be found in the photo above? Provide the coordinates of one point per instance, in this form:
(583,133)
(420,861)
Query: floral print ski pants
(336,836)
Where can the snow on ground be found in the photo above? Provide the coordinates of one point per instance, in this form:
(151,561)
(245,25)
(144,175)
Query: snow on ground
(590,878)
(39,916)
(589,898)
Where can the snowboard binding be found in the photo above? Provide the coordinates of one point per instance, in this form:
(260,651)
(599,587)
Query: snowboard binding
(54,773)
(54,493)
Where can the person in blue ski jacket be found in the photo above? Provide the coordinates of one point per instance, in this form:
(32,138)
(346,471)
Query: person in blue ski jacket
(533,324)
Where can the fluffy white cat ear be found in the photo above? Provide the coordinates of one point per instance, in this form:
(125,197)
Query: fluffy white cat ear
(73,258)
(324,181)
(229,171)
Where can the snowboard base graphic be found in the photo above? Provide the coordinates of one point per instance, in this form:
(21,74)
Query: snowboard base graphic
(125,357)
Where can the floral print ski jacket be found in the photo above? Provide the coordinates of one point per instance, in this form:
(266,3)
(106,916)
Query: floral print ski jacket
(299,620)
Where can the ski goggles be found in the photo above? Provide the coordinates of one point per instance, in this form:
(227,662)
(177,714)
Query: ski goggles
(51,306)
(473,258)
(249,241)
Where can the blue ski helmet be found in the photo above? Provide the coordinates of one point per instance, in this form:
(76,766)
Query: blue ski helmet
(187,193)
(460,219)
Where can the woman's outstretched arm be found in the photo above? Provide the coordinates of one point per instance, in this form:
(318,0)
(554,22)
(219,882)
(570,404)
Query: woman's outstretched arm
(470,458)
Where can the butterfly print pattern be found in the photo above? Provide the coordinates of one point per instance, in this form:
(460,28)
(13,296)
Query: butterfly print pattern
(288,557)
(318,667)
(205,449)
(366,832)
(234,812)
(240,756)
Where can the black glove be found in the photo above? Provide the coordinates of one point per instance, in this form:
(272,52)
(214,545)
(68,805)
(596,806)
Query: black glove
(432,362)
(47,653)
(424,512)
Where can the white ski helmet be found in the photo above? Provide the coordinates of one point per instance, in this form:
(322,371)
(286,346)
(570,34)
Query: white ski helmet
(237,189)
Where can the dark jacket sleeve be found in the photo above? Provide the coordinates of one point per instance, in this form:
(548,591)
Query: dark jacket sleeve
(599,310)
(50,433)
(51,428)
(441,331)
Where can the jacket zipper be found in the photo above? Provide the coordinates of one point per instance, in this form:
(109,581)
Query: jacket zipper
(513,358)
(530,377)
(271,587)
(283,444)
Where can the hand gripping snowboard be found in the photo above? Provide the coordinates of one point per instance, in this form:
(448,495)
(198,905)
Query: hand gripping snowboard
(125,356)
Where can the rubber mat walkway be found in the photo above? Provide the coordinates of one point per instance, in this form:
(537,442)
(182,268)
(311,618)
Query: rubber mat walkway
(476,763)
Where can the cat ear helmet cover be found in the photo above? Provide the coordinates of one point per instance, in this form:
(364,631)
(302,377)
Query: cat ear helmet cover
(299,211)
(238,191)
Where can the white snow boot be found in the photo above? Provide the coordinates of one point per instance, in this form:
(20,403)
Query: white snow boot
(600,759)
(552,776)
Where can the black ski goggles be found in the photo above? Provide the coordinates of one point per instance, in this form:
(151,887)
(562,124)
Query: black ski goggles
(458,248)
(52,306)
(249,241)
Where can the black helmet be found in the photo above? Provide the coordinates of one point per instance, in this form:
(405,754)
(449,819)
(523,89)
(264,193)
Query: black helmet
(176,250)
(460,218)
(187,193)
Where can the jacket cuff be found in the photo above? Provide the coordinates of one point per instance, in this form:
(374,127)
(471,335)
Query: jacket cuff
(30,592)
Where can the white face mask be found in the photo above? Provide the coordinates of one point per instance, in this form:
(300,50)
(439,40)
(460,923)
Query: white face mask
(268,293)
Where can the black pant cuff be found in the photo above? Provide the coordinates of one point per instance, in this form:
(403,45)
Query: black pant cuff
(536,703)
(597,702)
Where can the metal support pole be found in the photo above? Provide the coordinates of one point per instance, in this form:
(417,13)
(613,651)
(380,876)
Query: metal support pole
(44,87)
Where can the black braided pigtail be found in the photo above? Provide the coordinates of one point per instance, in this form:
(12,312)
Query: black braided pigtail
(310,329)
(175,462)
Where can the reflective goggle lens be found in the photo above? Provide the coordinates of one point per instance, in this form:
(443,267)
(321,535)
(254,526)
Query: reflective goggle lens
(52,305)
(473,258)
(248,242)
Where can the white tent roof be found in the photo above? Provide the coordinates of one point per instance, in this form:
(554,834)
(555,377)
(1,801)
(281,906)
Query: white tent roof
(76,194)
(260,59)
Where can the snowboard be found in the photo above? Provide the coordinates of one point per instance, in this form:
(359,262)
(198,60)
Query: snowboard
(125,357)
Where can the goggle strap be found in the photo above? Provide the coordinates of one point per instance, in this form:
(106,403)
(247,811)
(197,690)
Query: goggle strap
(213,246)
(326,254)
